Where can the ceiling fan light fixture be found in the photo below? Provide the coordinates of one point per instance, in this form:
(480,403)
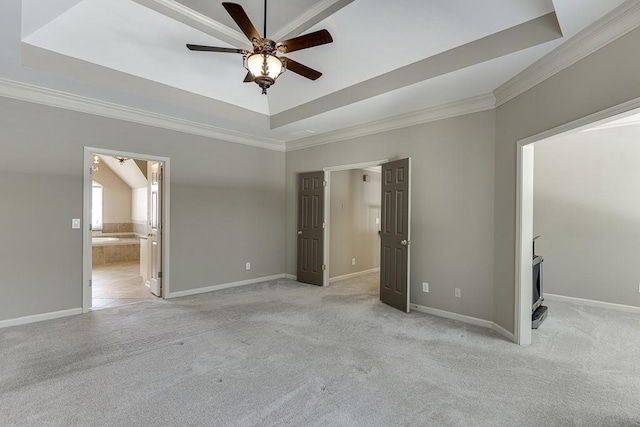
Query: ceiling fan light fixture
(264,68)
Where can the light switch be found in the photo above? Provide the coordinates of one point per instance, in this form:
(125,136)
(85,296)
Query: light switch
(75,223)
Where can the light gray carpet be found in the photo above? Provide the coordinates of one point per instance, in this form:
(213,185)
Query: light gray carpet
(283,353)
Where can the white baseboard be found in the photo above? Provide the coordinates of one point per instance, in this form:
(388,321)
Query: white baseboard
(39,317)
(466,319)
(291,276)
(502,331)
(350,275)
(223,286)
(593,303)
(453,316)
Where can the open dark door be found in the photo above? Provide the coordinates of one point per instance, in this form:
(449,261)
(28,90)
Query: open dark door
(311,228)
(394,234)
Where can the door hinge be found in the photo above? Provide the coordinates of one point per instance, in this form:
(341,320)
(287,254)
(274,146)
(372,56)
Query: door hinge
(90,283)
(324,267)
(91,171)
(324,183)
(323,225)
(90,227)
(160,176)
(159,274)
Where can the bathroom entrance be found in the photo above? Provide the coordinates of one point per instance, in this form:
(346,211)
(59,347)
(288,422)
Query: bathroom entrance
(123,256)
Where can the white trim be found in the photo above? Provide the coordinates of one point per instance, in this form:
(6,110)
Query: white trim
(224,286)
(612,26)
(351,166)
(465,319)
(54,98)
(593,303)
(326,234)
(351,275)
(198,20)
(290,276)
(166,219)
(524,249)
(502,331)
(453,316)
(446,111)
(408,238)
(39,317)
(301,23)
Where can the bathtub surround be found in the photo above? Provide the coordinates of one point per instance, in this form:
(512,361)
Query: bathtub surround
(117,227)
(126,249)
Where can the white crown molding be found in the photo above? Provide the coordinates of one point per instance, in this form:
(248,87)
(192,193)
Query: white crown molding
(308,18)
(53,98)
(612,26)
(446,111)
(173,9)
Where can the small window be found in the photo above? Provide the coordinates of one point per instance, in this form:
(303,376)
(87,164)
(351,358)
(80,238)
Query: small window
(96,206)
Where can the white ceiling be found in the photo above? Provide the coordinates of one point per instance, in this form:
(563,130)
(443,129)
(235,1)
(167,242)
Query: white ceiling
(387,58)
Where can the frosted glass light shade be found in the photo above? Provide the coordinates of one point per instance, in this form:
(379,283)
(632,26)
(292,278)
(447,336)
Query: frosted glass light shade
(263,64)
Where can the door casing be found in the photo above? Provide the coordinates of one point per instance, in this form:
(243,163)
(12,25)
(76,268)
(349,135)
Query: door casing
(86,219)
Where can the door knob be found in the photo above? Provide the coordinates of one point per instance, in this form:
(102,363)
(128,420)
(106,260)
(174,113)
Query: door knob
(405,242)
(300,233)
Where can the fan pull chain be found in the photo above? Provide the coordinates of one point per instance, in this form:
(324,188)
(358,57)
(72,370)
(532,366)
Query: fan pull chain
(265,19)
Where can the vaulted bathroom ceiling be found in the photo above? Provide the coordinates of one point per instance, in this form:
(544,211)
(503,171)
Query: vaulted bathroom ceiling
(387,58)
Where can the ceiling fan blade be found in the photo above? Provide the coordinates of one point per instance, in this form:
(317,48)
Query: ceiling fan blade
(248,78)
(316,38)
(213,49)
(240,17)
(303,70)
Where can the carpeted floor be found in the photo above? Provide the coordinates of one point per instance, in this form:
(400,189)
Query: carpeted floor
(283,353)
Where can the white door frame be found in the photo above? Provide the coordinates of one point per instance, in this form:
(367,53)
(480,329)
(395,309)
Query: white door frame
(524,209)
(86,216)
(327,208)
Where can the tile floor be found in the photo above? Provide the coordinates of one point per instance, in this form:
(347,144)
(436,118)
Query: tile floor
(118,284)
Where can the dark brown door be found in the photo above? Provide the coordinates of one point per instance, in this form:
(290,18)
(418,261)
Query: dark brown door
(311,228)
(394,234)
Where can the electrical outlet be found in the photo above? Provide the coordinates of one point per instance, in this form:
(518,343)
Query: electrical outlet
(75,223)
(353,261)
(425,287)
(248,266)
(457,293)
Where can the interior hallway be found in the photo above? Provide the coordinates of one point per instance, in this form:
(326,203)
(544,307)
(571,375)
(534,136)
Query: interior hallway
(285,353)
(118,284)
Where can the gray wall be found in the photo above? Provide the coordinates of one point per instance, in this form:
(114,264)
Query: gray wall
(587,211)
(227,205)
(452,204)
(604,79)
(355,205)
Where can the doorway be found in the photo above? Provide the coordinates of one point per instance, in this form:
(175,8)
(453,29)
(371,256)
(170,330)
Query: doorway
(125,250)
(393,227)
(524,208)
(354,223)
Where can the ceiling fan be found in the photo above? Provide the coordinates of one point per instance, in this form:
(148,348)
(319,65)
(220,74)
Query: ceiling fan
(263,64)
